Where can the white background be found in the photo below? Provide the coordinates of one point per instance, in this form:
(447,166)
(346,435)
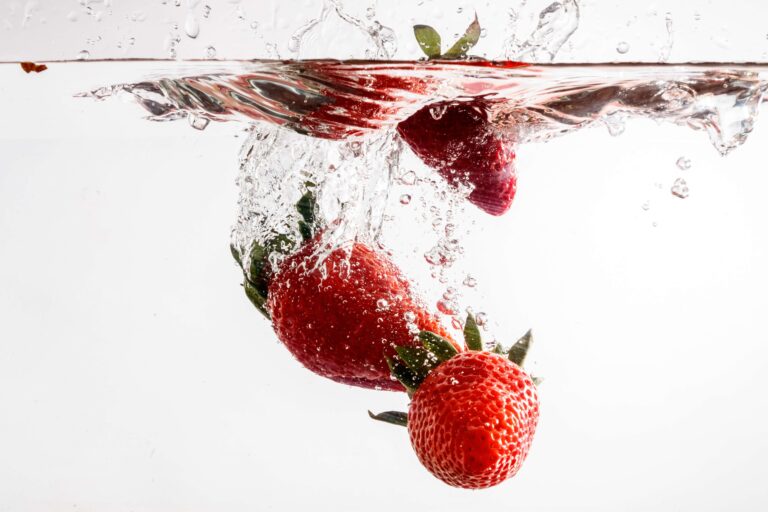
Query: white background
(134,374)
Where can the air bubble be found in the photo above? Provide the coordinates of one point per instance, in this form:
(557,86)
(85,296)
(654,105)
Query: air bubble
(646,206)
(481,319)
(437,112)
(409,178)
(405,199)
(469,281)
(683,163)
(370,13)
(84,55)
(198,122)
(382,304)
(210,52)
(206,11)
(447,307)
(410,316)
(622,47)
(680,188)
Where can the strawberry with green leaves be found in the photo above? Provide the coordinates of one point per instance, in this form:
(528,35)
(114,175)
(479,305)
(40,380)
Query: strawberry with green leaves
(458,139)
(340,312)
(473,414)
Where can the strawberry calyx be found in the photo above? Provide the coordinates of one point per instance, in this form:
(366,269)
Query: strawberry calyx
(413,364)
(430,41)
(257,274)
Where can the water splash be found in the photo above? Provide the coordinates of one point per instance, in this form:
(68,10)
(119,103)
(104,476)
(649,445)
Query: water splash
(556,24)
(381,39)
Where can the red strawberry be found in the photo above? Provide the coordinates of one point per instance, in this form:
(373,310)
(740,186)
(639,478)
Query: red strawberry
(457,138)
(461,143)
(473,414)
(342,315)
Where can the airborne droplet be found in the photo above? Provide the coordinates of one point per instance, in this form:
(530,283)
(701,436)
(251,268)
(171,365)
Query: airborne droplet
(192,27)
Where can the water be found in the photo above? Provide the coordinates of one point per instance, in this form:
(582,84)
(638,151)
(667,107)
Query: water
(332,123)
(120,289)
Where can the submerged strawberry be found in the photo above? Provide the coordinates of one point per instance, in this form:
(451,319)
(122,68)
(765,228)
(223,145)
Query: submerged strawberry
(340,314)
(458,139)
(473,414)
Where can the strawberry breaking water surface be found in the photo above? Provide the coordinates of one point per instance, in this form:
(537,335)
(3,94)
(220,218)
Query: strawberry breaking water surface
(332,124)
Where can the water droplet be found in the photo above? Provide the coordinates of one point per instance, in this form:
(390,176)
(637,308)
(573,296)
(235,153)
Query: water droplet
(382,304)
(683,163)
(405,199)
(470,281)
(84,55)
(481,319)
(409,178)
(192,26)
(622,47)
(646,206)
(198,122)
(680,188)
(210,52)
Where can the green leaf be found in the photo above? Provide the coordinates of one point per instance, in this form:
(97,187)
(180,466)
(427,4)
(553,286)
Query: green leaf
(418,359)
(236,255)
(428,39)
(407,377)
(393,417)
(520,349)
(472,334)
(465,42)
(439,346)
(498,348)
(306,207)
(258,300)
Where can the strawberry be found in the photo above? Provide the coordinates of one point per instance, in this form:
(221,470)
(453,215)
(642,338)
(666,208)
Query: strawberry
(465,148)
(340,315)
(457,138)
(473,414)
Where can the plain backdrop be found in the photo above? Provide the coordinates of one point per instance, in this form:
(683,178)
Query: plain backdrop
(135,375)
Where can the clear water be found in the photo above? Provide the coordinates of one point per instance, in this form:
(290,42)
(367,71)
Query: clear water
(635,250)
